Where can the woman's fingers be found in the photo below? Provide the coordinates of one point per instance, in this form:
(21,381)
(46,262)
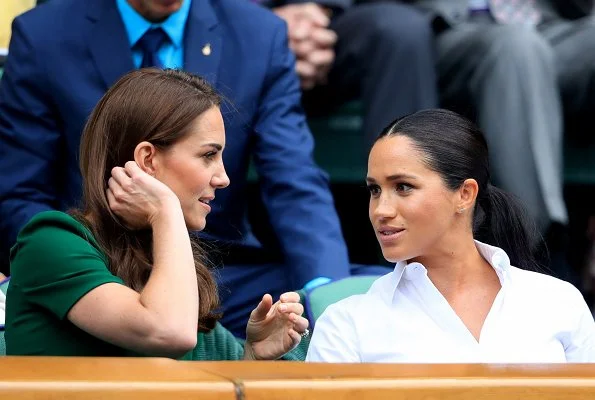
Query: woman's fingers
(295,308)
(113,185)
(118,194)
(120,175)
(132,169)
(290,297)
(296,337)
(300,324)
(262,309)
(111,200)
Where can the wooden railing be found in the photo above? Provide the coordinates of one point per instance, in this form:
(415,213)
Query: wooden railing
(155,378)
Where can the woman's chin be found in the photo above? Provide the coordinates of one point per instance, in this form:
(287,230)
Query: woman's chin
(196,225)
(393,256)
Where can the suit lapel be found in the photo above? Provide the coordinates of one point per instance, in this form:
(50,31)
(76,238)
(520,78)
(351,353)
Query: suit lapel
(108,41)
(202,41)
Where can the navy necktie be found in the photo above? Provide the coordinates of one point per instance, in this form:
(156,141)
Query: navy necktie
(149,44)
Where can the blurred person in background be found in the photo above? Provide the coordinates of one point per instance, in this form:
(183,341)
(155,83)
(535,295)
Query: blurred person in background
(379,52)
(517,67)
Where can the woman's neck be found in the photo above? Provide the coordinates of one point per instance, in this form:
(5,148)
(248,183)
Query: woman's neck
(456,264)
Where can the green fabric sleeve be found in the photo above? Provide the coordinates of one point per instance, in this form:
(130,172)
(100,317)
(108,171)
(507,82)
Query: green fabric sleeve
(56,262)
(217,345)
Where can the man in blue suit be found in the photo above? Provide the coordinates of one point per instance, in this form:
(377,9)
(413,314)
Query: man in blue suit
(65,54)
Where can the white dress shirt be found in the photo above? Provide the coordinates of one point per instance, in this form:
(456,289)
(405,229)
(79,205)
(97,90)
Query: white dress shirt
(535,318)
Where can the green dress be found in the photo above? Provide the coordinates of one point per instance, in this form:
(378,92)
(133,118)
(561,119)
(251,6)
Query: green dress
(54,263)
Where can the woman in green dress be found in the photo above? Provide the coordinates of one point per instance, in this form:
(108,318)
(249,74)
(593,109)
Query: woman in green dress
(121,275)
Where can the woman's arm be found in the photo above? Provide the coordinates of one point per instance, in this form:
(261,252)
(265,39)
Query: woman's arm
(162,320)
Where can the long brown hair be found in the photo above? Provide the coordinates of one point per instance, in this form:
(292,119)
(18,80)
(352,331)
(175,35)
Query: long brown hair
(144,105)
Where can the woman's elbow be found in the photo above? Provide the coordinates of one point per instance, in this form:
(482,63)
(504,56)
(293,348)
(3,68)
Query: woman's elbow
(188,341)
(182,342)
(174,342)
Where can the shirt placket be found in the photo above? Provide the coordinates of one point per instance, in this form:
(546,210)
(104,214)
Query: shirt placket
(445,317)
(489,335)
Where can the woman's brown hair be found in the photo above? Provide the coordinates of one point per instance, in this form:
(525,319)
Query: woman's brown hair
(144,105)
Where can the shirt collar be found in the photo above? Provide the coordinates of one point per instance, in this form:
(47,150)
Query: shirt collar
(495,256)
(136,25)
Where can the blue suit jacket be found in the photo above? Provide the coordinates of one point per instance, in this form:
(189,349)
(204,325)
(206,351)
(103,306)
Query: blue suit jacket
(64,55)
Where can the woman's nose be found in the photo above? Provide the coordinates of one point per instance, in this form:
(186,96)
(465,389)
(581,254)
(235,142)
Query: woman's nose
(384,208)
(220,180)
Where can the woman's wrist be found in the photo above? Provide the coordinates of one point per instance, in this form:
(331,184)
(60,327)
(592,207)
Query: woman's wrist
(249,352)
(170,209)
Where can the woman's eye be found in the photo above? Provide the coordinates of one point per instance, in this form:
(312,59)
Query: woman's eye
(374,190)
(403,187)
(210,155)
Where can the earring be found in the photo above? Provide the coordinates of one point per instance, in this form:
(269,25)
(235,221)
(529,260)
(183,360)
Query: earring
(460,210)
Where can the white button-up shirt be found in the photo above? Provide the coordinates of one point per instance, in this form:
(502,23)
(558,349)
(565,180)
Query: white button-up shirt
(535,318)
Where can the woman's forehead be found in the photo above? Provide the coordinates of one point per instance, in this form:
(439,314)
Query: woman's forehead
(396,152)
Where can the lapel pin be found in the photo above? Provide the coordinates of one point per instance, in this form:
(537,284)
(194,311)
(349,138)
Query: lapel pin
(206,50)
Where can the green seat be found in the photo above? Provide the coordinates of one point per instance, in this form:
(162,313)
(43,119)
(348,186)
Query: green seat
(319,298)
(340,145)
(4,285)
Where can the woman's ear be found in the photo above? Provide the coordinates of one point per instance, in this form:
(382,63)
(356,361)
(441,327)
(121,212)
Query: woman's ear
(144,156)
(468,194)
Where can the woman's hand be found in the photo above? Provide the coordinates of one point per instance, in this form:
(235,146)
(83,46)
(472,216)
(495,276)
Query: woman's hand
(275,329)
(137,197)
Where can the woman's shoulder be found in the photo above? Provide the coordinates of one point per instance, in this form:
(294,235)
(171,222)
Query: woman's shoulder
(51,236)
(544,286)
(343,314)
(53,226)
(52,220)
(358,306)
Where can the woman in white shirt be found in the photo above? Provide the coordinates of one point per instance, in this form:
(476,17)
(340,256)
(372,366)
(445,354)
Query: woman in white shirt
(450,297)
